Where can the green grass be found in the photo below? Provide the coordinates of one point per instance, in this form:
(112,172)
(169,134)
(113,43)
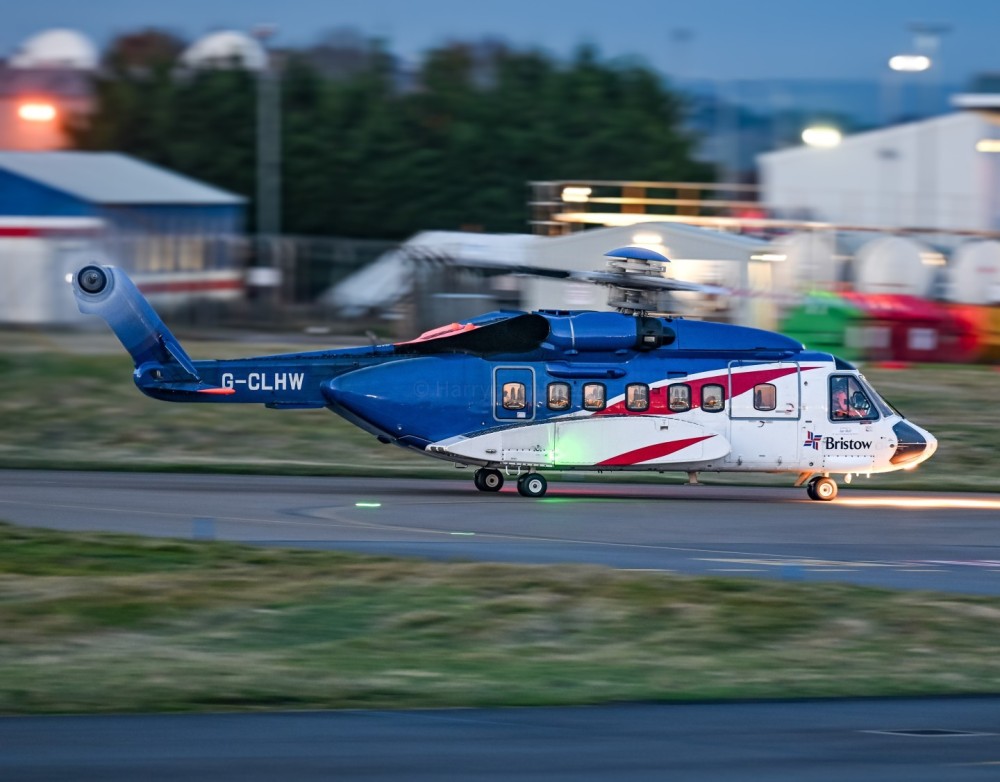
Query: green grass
(65,404)
(97,623)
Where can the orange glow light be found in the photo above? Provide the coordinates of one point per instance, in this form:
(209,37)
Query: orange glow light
(37,112)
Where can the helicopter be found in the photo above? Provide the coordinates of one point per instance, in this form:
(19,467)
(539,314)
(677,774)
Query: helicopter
(513,393)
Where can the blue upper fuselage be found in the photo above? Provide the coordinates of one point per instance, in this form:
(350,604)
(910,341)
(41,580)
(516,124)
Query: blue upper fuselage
(449,382)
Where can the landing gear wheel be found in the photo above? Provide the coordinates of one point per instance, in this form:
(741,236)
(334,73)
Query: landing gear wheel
(824,489)
(532,485)
(811,489)
(488,480)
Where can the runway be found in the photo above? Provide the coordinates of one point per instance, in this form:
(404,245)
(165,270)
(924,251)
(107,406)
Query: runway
(947,542)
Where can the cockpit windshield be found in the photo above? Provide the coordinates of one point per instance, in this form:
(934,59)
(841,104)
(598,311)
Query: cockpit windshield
(884,407)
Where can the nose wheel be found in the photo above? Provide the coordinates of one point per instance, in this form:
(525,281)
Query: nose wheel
(488,480)
(822,488)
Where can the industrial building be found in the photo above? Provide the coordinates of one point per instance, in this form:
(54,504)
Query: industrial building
(178,237)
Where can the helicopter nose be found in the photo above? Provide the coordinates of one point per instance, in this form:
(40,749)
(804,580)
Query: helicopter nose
(913,444)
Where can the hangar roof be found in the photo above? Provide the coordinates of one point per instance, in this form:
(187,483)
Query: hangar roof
(113,178)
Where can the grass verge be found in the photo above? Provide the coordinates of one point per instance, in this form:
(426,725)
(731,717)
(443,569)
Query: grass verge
(97,623)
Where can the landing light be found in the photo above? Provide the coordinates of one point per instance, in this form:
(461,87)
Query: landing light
(988,145)
(368,505)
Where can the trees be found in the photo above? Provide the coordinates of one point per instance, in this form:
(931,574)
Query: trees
(371,151)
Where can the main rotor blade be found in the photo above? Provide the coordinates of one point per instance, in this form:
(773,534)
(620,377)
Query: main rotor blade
(617,279)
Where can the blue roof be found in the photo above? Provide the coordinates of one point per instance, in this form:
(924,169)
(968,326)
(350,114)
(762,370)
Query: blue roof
(113,178)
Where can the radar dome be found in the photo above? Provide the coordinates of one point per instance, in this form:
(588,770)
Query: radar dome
(57,48)
(226,49)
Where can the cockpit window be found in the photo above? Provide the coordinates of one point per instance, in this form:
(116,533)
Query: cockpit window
(885,407)
(849,401)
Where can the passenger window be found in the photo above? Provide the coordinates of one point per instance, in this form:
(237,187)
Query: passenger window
(513,396)
(593,396)
(765,396)
(712,398)
(558,397)
(637,397)
(679,398)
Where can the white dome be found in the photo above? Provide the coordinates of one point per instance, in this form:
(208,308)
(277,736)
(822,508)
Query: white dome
(976,273)
(226,49)
(58,48)
(892,264)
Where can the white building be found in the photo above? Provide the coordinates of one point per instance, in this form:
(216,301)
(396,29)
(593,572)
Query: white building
(941,173)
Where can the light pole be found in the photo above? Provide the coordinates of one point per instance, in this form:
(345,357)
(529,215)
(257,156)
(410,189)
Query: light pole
(268,141)
(266,274)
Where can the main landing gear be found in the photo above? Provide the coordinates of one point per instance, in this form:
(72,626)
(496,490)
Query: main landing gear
(488,480)
(528,485)
(531,485)
(822,488)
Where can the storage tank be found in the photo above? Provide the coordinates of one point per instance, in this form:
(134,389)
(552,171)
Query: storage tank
(894,265)
(975,273)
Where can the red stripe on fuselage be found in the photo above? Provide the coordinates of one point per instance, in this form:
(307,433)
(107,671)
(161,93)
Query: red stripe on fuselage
(742,382)
(651,452)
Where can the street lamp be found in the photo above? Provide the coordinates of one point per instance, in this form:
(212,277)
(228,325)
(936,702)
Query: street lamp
(822,136)
(36,111)
(910,63)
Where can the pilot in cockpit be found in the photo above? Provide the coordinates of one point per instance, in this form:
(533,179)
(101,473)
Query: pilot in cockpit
(841,408)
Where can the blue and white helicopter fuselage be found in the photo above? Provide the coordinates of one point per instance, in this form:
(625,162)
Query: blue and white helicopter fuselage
(513,393)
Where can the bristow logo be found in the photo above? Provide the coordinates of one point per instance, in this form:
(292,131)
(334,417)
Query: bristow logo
(833,444)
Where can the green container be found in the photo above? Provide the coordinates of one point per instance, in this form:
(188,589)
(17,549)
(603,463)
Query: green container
(824,321)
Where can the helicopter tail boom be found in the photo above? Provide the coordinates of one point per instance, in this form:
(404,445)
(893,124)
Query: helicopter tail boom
(108,292)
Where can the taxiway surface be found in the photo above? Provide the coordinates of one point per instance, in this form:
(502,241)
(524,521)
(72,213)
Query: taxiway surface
(948,542)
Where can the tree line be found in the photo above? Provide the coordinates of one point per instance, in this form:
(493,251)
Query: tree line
(370,150)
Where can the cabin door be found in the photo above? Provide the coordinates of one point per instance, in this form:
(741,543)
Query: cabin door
(513,394)
(765,407)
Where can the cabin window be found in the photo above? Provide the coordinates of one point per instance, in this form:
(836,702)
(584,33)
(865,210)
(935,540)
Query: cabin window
(713,398)
(594,395)
(513,396)
(637,397)
(558,396)
(848,400)
(679,398)
(765,396)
